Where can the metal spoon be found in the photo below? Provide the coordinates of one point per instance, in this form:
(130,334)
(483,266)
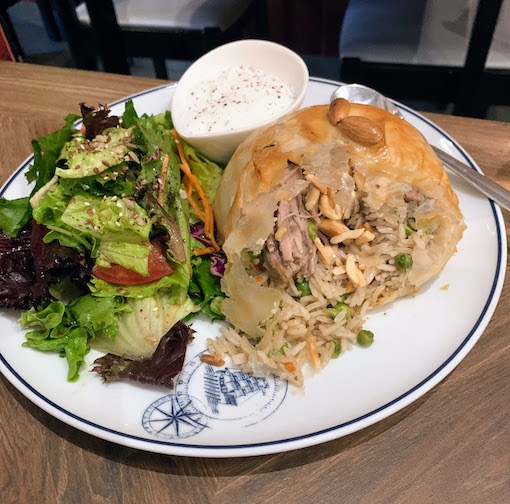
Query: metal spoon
(358,93)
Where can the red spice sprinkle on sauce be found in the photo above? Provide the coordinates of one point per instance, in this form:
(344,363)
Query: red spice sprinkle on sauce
(238,97)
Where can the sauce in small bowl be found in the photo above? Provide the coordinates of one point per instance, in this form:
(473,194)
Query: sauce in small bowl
(235,89)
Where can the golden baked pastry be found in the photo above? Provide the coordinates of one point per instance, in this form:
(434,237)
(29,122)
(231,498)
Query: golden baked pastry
(349,193)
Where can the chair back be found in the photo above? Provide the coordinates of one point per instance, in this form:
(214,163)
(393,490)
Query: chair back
(382,45)
(114,31)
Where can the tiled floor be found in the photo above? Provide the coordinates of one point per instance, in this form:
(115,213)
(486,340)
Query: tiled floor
(39,48)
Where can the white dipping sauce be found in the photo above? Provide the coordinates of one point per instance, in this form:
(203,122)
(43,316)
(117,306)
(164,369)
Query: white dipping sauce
(239,97)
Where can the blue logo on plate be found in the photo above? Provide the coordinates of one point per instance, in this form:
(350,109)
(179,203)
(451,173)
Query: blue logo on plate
(170,419)
(231,386)
(205,395)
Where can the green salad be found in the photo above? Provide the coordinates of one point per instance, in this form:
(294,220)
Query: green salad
(115,246)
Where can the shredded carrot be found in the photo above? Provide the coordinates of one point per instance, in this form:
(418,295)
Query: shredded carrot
(290,367)
(195,207)
(314,353)
(191,200)
(191,182)
(187,185)
(204,251)
(162,180)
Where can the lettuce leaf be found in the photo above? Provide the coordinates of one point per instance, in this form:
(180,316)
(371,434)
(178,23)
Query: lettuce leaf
(69,329)
(141,329)
(129,117)
(72,344)
(47,318)
(14,215)
(95,216)
(51,205)
(205,289)
(47,151)
(49,211)
(154,139)
(99,315)
(125,248)
(98,185)
(124,238)
(81,160)
(208,173)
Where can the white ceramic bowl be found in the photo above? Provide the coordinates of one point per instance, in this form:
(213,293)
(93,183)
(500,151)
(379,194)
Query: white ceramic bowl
(269,57)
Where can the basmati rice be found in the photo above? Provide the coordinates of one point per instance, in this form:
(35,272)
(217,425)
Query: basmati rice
(282,344)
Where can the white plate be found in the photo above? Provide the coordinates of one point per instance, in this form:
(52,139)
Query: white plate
(418,342)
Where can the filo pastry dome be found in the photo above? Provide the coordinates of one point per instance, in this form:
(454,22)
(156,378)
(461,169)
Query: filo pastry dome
(298,192)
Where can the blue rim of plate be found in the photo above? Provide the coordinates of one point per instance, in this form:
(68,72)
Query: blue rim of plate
(295,442)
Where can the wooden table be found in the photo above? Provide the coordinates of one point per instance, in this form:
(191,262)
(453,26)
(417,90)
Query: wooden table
(450,446)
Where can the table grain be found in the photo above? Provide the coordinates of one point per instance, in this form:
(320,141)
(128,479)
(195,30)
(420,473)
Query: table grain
(450,446)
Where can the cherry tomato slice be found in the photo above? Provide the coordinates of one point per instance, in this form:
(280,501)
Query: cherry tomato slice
(119,275)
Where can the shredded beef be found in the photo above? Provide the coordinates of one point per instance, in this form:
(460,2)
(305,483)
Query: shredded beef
(295,254)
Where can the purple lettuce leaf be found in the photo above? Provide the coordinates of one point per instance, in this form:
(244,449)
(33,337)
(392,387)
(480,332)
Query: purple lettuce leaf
(160,369)
(29,267)
(56,260)
(18,286)
(97,120)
